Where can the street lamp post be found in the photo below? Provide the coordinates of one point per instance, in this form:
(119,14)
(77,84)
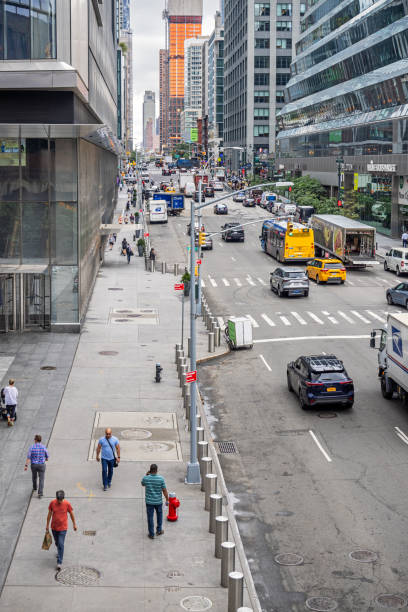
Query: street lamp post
(339,162)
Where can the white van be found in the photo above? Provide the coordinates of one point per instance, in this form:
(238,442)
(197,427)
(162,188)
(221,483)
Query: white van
(189,190)
(397,260)
(158,211)
(287,209)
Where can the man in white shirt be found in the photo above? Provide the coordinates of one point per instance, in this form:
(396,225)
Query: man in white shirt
(10,399)
(404,239)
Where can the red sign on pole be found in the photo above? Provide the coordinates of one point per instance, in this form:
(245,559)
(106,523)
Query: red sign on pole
(146,234)
(198,262)
(179,286)
(191,376)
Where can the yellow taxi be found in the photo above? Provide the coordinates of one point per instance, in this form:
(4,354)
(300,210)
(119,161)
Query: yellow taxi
(326,270)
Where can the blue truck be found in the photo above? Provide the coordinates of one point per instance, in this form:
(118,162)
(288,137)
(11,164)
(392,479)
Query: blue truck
(175,201)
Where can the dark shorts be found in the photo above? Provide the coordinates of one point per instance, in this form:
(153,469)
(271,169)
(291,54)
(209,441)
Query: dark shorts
(11,411)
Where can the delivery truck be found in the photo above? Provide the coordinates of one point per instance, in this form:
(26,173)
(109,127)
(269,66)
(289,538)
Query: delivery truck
(201,177)
(346,239)
(392,344)
(175,202)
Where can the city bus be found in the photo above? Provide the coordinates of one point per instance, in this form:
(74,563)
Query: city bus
(287,241)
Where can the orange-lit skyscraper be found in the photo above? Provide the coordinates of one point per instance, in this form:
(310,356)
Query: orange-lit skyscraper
(184,19)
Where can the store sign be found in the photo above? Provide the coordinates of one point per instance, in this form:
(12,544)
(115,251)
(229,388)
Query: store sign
(371,167)
(403,190)
(355,181)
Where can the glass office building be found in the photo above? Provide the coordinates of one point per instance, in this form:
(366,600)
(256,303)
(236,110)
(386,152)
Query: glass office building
(58,161)
(347,100)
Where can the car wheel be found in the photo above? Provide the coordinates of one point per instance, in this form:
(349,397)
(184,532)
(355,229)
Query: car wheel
(385,392)
(301,401)
(318,280)
(397,271)
(385,266)
(280,294)
(389,299)
(290,388)
(342,282)
(306,294)
(406,304)
(271,286)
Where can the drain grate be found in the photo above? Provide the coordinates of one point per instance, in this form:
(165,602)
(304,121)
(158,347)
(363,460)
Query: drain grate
(227,448)
(363,556)
(90,532)
(321,604)
(108,352)
(78,575)
(115,288)
(289,559)
(196,603)
(48,368)
(327,415)
(393,602)
(121,320)
(174,574)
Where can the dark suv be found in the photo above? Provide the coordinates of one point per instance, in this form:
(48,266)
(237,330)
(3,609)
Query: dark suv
(234,232)
(320,379)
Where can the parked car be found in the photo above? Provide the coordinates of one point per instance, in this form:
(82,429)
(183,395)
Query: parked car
(398,295)
(326,270)
(320,379)
(218,186)
(197,197)
(233,233)
(166,172)
(221,209)
(239,197)
(208,246)
(209,191)
(289,281)
(396,260)
(249,202)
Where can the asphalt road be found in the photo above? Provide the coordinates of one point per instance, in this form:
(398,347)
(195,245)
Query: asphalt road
(319,483)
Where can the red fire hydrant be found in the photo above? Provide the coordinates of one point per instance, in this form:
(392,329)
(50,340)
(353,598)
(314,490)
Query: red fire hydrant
(174,503)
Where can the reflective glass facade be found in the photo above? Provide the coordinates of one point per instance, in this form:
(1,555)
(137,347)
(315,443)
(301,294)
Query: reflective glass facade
(27,29)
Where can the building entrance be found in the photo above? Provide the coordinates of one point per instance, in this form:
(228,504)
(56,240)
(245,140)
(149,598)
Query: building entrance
(24,302)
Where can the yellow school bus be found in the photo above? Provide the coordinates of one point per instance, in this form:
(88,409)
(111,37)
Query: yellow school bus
(287,241)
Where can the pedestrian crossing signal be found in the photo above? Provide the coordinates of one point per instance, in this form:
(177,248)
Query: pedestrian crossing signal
(339,203)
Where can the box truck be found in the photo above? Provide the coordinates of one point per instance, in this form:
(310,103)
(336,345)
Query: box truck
(392,344)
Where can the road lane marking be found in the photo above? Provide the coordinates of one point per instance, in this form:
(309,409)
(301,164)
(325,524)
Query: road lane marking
(331,319)
(266,364)
(289,339)
(350,283)
(220,244)
(375,316)
(233,259)
(268,320)
(384,280)
(299,318)
(212,281)
(260,280)
(226,283)
(401,435)
(254,323)
(359,316)
(221,322)
(345,317)
(202,283)
(315,318)
(250,281)
(285,321)
(320,447)
(238,282)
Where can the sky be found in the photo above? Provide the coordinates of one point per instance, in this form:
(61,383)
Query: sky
(148,38)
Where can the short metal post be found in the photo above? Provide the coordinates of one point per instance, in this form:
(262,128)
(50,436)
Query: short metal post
(217,335)
(188,347)
(152,267)
(202,449)
(245,609)
(227,561)
(198,419)
(200,434)
(235,591)
(175,270)
(210,486)
(205,468)
(182,363)
(183,375)
(179,354)
(177,348)
(184,389)
(215,510)
(221,534)
(163,267)
(211,348)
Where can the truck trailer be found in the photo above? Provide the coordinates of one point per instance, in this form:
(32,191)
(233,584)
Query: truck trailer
(346,239)
(175,202)
(392,344)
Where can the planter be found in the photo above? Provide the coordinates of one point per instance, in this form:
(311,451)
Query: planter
(140,250)
(186,288)
(137,233)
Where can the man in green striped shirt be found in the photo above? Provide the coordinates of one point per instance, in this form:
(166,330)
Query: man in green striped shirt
(155,488)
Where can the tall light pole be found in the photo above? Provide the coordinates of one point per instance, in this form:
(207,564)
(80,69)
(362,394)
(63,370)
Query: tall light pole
(339,162)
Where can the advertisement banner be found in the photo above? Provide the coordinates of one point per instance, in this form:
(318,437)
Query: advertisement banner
(194,134)
(403,190)
(355,183)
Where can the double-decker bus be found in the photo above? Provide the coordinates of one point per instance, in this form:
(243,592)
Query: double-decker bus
(287,241)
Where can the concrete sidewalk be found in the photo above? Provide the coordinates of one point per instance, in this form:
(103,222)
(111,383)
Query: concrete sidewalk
(132,323)
(385,243)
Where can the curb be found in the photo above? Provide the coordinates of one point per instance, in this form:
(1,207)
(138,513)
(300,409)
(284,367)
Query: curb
(212,357)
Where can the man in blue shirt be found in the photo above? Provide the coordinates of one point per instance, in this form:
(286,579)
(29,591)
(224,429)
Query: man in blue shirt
(37,455)
(108,444)
(155,487)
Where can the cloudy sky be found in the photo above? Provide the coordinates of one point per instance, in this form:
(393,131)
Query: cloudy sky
(148,38)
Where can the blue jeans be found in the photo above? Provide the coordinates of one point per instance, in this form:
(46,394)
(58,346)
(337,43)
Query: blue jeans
(150,508)
(107,471)
(59,539)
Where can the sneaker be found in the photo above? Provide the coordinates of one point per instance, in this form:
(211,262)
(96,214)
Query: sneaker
(105,488)
(40,495)
(150,536)
(10,423)
(159,532)
(109,485)
(34,490)
(59,567)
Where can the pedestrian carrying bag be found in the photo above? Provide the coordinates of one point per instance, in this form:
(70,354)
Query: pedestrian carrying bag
(115,462)
(47,541)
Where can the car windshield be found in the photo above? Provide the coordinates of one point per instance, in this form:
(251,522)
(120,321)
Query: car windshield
(234,225)
(333,266)
(294,275)
(329,377)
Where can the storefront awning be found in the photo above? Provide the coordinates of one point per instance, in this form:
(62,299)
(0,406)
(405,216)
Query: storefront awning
(23,268)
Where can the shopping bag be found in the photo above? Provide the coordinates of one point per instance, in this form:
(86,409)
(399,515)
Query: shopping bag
(47,541)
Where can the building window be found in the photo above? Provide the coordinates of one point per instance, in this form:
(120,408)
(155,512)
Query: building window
(262,43)
(262,79)
(282,79)
(261,97)
(283,26)
(284,10)
(280,96)
(262,9)
(261,113)
(261,130)
(302,9)
(283,61)
(27,29)
(283,43)
(261,61)
(262,26)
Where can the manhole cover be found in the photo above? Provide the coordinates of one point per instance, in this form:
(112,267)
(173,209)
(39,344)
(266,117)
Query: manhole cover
(394,602)
(108,352)
(154,420)
(289,559)
(123,311)
(78,575)
(134,316)
(327,415)
(89,532)
(136,434)
(174,574)
(321,604)
(196,603)
(48,368)
(363,556)
(157,447)
(115,288)
(121,320)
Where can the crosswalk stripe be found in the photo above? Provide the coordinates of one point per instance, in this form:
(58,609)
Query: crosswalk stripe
(250,281)
(298,318)
(254,323)
(260,280)
(315,318)
(284,320)
(212,281)
(346,317)
(238,282)
(331,318)
(221,322)
(226,283)
(359,316)
(375,316)
(384,280)
(202,283)
(350,283)
(268,320)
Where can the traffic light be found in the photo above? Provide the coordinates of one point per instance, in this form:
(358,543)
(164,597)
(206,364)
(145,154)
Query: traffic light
(201,238)
(290,229)
(196,271)
(290,188)
(339,203)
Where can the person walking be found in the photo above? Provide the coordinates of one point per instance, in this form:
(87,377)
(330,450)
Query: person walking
(58,511)
(107,445)
(152,255)
(111,242)
(404,239)
(37,455)
(129,253)
(155,487)
(10,400)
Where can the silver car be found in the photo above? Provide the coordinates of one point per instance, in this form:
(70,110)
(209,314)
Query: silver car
(289,281)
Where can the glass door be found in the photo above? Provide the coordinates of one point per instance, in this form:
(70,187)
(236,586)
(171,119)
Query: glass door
(36,301)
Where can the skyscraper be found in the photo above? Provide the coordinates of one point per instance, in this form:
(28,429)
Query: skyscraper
(215,86)
(124,14)
(149,119)
(163,95)
(192,87)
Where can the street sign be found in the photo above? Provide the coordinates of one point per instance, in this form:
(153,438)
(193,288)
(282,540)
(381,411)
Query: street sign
(146,234)
(198,262)
(191,376)
(179,286)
